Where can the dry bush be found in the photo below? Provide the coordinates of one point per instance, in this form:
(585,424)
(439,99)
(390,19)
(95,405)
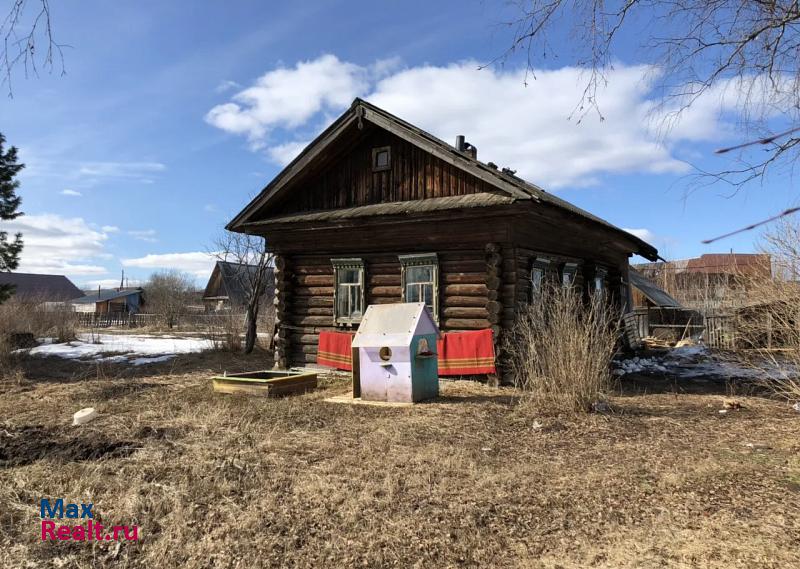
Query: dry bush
(37,318)
(561,347)
(769,323)
(224,329)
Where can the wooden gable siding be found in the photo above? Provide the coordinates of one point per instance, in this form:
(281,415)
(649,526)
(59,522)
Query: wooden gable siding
(470,296)
(350,182)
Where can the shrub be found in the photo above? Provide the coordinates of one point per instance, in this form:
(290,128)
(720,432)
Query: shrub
(560,349)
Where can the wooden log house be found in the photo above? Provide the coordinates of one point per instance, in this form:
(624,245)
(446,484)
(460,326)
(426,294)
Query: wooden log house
(375,210)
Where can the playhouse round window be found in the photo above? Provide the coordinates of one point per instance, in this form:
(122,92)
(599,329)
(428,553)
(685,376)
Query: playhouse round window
(385,353)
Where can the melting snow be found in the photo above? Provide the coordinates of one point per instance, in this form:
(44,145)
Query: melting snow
(150,349)
(693,362)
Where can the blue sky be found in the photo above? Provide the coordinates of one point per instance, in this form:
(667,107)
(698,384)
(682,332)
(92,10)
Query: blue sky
(170,117)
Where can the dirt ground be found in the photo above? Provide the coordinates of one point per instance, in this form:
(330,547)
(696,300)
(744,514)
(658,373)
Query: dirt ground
(472,479)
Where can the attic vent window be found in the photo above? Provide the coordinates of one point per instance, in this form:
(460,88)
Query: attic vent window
(381,158)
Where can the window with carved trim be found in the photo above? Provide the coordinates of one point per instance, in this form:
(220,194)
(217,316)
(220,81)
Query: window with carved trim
(348,290)
(419,275)
(539,270)
(569,272)
(599,283)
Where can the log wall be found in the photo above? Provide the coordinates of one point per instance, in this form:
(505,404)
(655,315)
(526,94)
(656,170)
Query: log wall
(463,295)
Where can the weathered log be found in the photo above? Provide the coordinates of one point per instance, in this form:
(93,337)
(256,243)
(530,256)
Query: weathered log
(383,280)
(312,310)
(469,301)
(461,312)
(305,338)
(313,301)
(314,291)
(494,307)
(493,283)
(465,323)
(314,280)
(310,320)
(464,278)
(465,290)
(394,291)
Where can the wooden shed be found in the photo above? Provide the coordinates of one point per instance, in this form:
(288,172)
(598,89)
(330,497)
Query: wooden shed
(376,210)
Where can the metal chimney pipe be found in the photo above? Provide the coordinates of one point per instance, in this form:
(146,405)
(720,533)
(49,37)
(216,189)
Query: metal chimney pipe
(460,141)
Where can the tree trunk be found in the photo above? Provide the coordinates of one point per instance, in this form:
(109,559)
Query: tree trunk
(251,317)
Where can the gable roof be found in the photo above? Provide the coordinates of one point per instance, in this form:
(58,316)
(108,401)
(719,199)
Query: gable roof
(107,294)
(360,110)
(234,279)
(393,325)
(47,288)
(654,294)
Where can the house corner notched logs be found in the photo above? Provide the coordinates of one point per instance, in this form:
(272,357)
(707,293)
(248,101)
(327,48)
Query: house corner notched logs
(494,305)
(282,287)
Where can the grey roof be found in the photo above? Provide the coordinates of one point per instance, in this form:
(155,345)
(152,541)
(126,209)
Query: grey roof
(395,208)
(107,294)
(236,278)
(656,295)
(46,288)
(511,185)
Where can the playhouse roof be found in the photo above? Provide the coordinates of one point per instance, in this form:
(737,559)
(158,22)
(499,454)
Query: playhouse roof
(393,324)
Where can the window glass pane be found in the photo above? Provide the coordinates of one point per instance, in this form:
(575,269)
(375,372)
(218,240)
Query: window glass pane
(537,278)
(341,301)
(419,274)
(412,293)
(349,275)
(355,301)
(427,294)
(382,159)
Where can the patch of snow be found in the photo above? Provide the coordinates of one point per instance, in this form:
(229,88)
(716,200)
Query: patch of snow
(152,360)
(127,344)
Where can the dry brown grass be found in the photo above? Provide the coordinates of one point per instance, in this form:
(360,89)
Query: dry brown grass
(560,349)
(222,481)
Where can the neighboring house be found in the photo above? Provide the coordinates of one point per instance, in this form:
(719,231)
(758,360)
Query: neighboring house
(711,281)
(228,285)
(44,289)
(375,211)
(110,301)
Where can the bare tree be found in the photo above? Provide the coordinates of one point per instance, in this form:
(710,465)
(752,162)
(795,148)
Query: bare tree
(749,48)
(251,265)
(26,26)
(168,294)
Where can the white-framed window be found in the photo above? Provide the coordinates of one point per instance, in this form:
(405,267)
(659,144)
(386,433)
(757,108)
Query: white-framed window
(348,290)
(541,265)
(419,276)
(568,273)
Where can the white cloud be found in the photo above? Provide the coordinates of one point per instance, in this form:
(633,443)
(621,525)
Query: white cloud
(71,193)
(524,128)
(199,264)
(109,283)
(289,97)
(148,235)
(284,153)
(60,245)
(110,229)
(120,169)
(641,233)
(226,85)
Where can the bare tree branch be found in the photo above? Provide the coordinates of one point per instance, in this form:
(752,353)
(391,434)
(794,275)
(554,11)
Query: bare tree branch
(27,25)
